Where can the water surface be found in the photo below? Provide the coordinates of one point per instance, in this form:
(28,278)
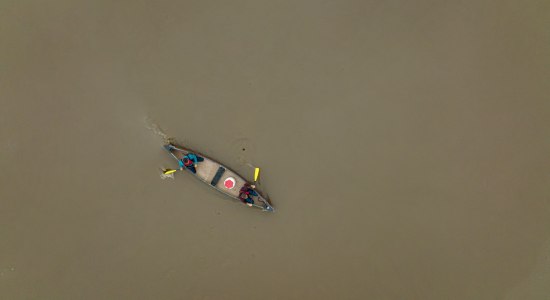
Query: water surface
(404,145)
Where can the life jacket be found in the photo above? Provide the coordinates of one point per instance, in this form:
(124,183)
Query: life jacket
(187,162)
(245,190)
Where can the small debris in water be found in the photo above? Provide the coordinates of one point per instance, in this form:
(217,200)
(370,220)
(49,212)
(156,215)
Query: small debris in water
(4,271)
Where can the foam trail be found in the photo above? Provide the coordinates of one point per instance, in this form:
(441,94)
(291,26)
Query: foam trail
(151,125)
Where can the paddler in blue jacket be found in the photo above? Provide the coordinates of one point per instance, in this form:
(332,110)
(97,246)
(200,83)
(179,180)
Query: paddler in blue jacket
(190,162)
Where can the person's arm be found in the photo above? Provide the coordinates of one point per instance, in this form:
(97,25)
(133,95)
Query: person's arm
(193,157)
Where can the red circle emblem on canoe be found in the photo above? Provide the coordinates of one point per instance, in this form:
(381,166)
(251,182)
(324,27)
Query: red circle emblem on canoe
(229,182)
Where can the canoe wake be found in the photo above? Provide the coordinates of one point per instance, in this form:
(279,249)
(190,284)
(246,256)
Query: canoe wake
(151,125)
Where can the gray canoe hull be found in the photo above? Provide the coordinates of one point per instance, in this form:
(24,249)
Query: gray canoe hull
(215,174)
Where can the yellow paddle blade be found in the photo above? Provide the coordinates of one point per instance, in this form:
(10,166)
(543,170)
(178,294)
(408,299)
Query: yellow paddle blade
(256,174)
(168,171)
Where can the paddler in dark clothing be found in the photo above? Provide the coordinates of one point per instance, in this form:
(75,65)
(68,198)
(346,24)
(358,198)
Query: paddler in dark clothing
(190,162)
(246,193)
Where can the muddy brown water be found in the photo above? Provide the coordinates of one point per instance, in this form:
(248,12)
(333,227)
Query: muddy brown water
(404,145)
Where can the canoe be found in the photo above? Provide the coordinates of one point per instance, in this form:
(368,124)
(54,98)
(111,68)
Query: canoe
(219,177)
